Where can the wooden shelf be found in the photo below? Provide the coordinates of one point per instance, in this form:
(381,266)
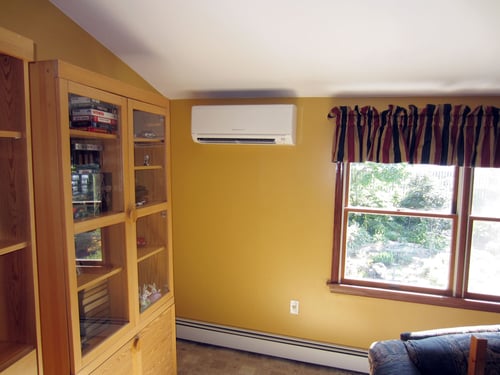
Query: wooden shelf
(146,252)
(11,246)
(85,134)
(11,352)
(94,275)
(147,167)
(148,205)
(10,134)
(147,141)
(108,329)
(151,208)
(20,339)
(104,220)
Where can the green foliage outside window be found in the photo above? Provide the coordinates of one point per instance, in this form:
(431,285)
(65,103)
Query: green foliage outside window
(396,245)
(392,186)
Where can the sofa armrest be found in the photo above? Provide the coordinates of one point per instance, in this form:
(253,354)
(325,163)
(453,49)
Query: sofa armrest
(477,356)
(390,357)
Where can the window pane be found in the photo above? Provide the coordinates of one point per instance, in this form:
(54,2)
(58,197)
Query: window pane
(484,273)
(397,249)
(485,197)
(401,186)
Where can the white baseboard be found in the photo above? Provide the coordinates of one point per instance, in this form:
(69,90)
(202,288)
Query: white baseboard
(274,345)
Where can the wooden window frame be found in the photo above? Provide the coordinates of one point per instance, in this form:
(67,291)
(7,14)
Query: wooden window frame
(455,295)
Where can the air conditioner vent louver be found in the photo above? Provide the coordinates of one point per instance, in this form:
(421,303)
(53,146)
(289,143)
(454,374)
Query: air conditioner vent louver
(268,124)
(260,141)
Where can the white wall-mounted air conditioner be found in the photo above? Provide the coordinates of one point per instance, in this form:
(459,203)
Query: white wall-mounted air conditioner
(244,124)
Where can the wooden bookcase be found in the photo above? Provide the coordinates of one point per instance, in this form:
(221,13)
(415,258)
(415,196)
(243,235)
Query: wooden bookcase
(20,348)
(103,213)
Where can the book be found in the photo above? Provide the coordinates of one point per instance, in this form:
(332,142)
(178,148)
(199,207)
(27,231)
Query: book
(93,112)
(76,101)
(86,146)
(93,118)
(94,126)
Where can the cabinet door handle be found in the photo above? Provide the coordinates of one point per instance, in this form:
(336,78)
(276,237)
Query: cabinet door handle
(137,343)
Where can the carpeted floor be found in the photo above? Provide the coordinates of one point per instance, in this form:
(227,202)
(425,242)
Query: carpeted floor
(200,359)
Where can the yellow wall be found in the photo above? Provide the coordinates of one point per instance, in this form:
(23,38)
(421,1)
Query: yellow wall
(253,230)
(252,224)
(57,37)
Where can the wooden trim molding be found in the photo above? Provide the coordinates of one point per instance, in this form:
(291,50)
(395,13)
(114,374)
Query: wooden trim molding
(415,297)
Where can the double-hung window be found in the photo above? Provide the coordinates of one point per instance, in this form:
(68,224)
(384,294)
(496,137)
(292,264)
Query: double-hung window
(417,204)
(416,232)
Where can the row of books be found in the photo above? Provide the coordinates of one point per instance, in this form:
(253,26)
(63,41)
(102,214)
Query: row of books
(92,115)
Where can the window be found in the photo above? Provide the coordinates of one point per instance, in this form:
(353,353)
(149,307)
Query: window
(415,232)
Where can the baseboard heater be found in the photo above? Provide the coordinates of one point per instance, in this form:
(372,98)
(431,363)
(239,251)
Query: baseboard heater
(274,345)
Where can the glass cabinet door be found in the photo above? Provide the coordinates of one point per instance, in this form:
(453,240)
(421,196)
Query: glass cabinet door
(150,194)
(149,158)
(96,157)
(96,149)
(152,259)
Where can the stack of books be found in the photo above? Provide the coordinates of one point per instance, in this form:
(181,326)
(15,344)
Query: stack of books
(93,115)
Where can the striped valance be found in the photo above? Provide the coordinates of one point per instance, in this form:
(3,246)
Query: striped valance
(443,134)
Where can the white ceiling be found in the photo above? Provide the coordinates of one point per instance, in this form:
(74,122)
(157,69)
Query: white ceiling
(305,48)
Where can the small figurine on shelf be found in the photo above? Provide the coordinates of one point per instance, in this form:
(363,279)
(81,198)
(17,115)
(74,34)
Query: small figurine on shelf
(141,241)
(141,195)
(148,295)
(147,159)
(155,293)
(144,298)
(148,134)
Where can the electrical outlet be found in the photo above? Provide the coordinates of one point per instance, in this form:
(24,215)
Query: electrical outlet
(294,307)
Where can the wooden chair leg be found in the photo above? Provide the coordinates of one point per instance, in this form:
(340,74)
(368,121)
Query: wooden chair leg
(477,356)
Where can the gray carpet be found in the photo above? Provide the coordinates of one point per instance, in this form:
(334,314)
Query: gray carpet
(200,359)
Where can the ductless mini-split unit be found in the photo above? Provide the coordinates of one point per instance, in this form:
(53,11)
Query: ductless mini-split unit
(272,124)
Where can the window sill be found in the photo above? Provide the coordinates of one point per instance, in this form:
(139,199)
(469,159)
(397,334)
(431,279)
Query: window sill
(428,299)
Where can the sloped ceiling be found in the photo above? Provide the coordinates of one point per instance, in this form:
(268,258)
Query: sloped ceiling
(313,48)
